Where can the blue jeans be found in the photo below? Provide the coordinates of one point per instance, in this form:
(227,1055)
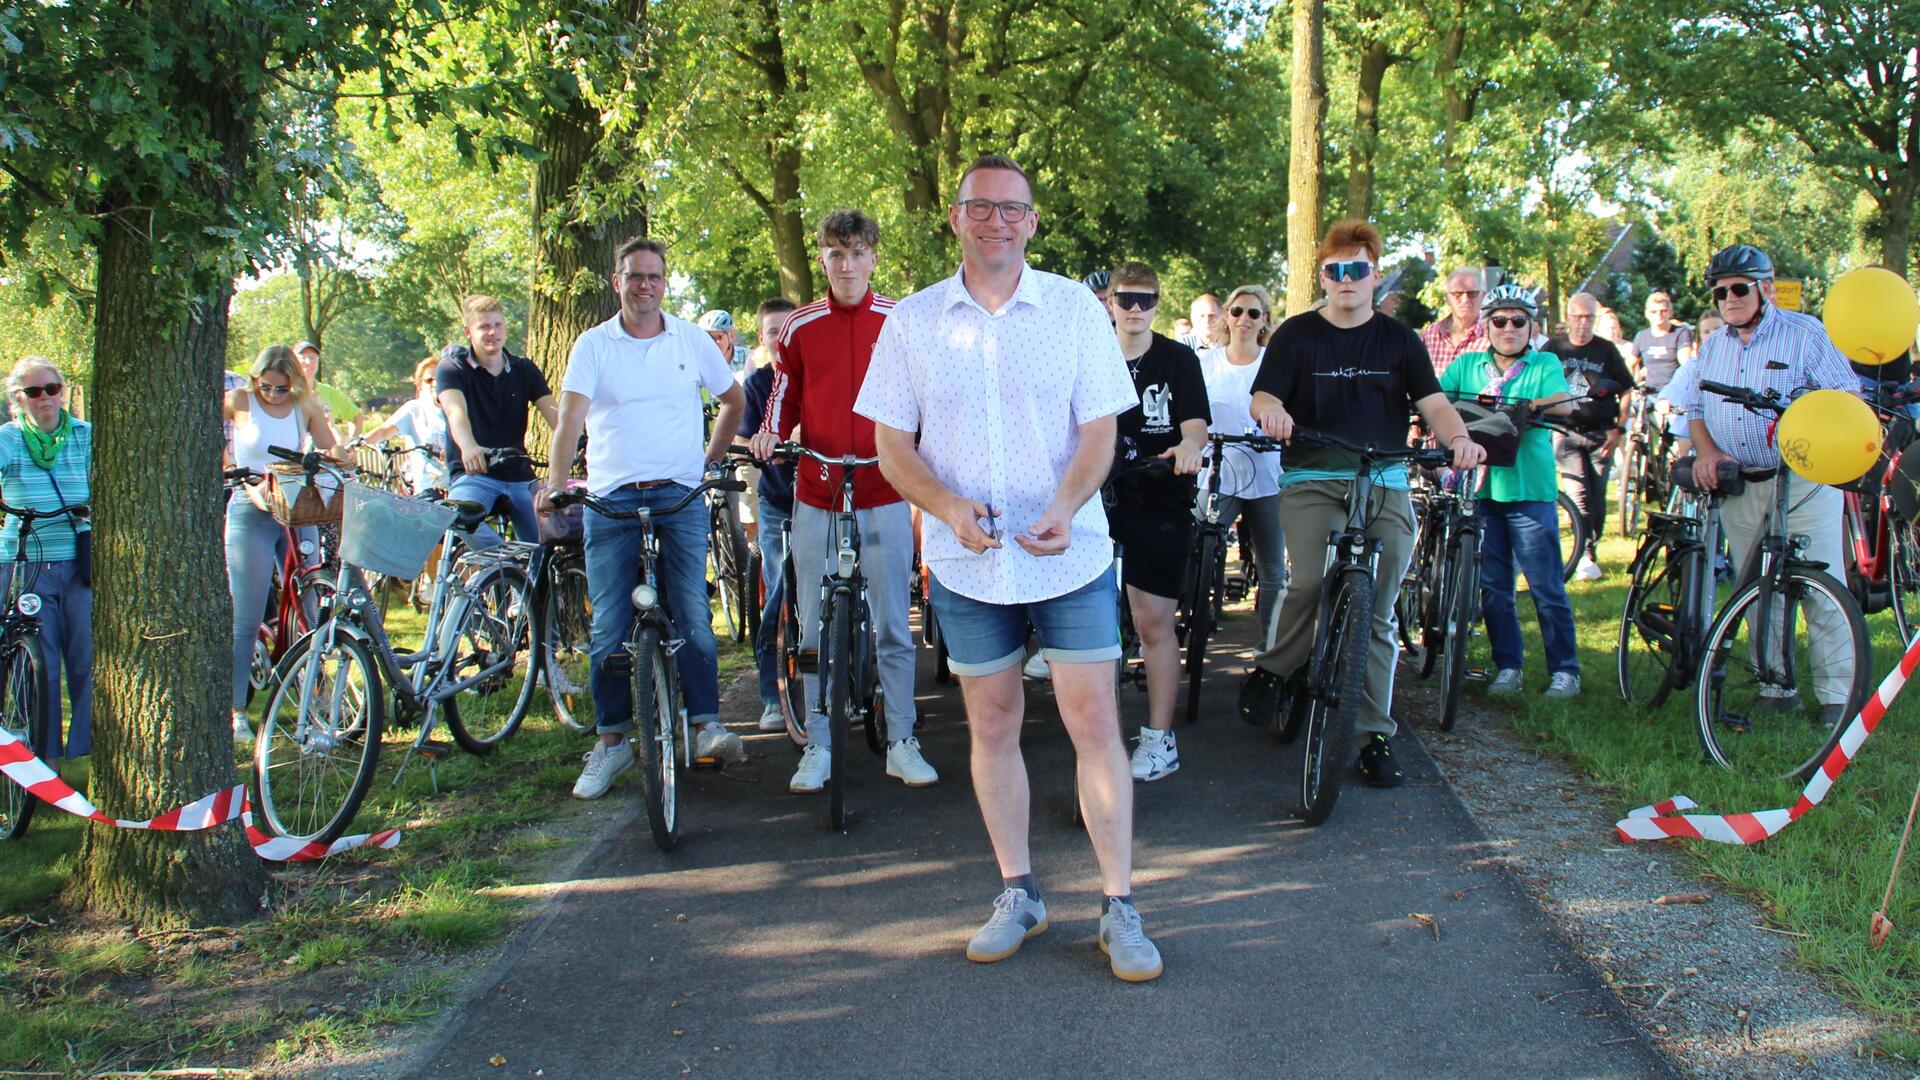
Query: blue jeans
(773,552)
(66,639)
(1079,627)
(613,568)
(1525,536)
(485,490)
(255,545)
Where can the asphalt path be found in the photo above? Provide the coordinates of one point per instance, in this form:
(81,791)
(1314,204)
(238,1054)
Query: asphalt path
(1387,942)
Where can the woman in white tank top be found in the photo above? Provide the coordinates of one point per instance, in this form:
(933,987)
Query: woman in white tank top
(273,409)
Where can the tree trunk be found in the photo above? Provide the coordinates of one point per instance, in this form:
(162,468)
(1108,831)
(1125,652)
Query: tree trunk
(1896,220)
(1306,169)
(782,207)
(1553,290)
(162,618)
(1375,59)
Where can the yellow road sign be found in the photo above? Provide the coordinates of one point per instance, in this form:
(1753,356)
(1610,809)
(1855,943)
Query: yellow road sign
(1787,294)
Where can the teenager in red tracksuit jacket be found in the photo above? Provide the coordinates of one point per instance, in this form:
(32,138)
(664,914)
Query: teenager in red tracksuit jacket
(819,362)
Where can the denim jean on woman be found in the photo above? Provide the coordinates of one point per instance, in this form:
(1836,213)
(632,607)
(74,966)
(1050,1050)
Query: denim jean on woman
(773,552)
(1525,537)
(255,545)
(66,640)
(613,569)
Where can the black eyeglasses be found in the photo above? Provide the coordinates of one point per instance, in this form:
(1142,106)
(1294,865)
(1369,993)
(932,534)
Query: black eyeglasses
(270,390)
(1253,313)
(1011,212)
(1137,301)
(1351,270)
(52,389)
(1501,322)
(1737,289)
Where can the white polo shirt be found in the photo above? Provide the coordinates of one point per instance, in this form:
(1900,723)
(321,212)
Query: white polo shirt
(644,420)
(998,397)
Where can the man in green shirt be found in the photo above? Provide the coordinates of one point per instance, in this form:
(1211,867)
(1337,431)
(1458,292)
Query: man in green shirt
(1520,528)
(341,410)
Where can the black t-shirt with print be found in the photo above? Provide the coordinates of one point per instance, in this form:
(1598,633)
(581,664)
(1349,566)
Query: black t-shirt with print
(1359,383)
(497,405)
(1597,359)
(1172,391)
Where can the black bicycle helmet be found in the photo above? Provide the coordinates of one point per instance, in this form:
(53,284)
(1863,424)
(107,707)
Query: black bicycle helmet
(1740,260)
(1098,281)
(1508,298)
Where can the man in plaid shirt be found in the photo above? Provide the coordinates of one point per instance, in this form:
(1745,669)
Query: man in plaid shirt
(1459,333)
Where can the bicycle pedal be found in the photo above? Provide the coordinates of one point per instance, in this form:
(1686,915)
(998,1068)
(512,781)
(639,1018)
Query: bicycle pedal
(1478,674)
(435,749)
(708,762)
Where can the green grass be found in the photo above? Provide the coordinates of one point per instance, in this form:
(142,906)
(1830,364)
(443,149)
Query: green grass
(1823,875)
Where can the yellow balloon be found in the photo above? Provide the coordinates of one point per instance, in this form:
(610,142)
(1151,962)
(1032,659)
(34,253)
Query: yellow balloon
(1871,314)
(1829,437)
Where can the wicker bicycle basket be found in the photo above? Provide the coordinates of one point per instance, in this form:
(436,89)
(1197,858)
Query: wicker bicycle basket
(390,534)
(296,499)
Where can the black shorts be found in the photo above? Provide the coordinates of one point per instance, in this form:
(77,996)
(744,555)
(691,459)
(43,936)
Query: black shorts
(1154,544)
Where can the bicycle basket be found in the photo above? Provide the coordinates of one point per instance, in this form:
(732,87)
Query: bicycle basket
(1493,429)
(297,500)
(568,526)
(390,534)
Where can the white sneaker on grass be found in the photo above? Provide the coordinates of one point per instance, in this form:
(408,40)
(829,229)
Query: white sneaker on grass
(1506,681)
(603,764)
(242,727)
(1563,684)
(1588,570)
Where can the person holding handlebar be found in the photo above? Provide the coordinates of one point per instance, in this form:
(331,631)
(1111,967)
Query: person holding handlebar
(486,392)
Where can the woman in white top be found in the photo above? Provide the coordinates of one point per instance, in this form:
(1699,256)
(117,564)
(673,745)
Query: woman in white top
(275,408)
(1249,481)
(422,423)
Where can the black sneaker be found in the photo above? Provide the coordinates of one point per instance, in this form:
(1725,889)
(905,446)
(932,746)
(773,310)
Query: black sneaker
(1260,697)
(1376,762)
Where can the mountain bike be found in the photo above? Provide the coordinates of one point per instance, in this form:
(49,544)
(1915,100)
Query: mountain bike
(1883,565)
(1646,455)
(1203,591)
(660,728)
(1439,600)
(25,710)
(301,595)
(735,572)
(1670,598)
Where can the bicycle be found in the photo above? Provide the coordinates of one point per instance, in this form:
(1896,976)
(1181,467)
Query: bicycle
(844,656)
(1670,598)
(661,734)
(1440,597)
(25,711)
(1883,567)
(1203,593)
(301,595)
(734,562)
(1325,700)
(319,742)
(1646,454)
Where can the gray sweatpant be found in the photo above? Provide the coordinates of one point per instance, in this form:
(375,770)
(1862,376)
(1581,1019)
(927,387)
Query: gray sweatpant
(886,561)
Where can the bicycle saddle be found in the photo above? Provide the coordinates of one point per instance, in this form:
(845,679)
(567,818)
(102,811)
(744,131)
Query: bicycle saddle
(471,513)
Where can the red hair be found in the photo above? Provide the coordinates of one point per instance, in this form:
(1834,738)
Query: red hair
(1352,233)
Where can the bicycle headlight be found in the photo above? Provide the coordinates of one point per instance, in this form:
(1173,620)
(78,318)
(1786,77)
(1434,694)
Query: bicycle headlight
(29,603)
(644,596)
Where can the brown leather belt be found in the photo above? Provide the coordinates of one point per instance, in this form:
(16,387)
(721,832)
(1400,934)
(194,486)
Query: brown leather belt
(642,485)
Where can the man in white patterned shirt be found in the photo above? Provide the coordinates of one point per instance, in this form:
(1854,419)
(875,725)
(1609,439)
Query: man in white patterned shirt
(1012,379)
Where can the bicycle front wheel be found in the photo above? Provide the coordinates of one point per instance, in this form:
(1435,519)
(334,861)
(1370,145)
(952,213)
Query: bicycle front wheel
(1632,463)
(1463,607)
(1903,576)
(1339,687)
(1655,636)
(837,668)
(1209,568)
(1784,669)
(319,740)
(563,632)
(23,712)
(493,656)
(1573,535)
(656,735)
(729,571)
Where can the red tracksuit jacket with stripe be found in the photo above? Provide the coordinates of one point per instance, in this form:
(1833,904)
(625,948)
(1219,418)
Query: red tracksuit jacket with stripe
(820,359)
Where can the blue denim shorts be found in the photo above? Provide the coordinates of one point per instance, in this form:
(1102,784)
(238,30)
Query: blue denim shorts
(1080,627)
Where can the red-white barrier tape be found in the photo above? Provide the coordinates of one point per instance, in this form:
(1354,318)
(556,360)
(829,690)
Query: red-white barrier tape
(1663,820)
(20,766)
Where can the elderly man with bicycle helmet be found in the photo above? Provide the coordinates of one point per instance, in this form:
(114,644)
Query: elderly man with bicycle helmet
(1766,347)
(1520,528)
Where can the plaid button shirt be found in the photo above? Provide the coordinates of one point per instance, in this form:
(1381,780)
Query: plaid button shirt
(1443,350)
(1789,352)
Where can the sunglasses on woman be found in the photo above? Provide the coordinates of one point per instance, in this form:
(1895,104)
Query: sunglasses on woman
(52,389)
(1737,289)
(270,390)
(1351,270)
(1501,322)
(1253,313)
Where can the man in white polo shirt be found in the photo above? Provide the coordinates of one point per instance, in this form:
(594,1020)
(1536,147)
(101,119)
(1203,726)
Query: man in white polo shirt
(1012,378)
(633,383)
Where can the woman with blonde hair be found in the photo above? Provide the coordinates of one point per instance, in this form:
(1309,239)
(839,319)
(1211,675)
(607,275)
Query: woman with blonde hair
(1250,481)
(46,458)
(422,423)
(275,408)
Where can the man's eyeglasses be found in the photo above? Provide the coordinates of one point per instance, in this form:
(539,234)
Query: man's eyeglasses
(1737,289)
(1137,301)
(1253,313)
(1011,212)
(264,390)
(1351,270)
(1501,322)
(644,278)
(52,389)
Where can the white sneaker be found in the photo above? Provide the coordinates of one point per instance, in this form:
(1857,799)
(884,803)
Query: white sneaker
(905,763)
(1037,667)
(603,764)
(720,744)
(1506,681)
(1156,755)
(559,683)
(772,718)
(815,766)
(1588,570)
(1563,684)
(242,727)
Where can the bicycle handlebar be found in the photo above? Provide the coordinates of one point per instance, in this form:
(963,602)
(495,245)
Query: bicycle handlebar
(793,451)
(566,497)
(77,510)
(1428,456)
(1756,400)
(1260,444)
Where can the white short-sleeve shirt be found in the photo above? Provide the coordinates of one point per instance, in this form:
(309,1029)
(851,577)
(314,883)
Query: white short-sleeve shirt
(998,398)
(644,420)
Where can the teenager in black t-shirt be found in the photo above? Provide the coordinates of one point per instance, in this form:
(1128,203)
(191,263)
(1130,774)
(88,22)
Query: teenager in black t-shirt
(1351,371)
(487,393)
(1585,455)
(1152,518)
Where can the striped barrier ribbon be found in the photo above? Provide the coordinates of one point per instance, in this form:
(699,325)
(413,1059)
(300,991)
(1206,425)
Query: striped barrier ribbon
(1663,820)
(20,765)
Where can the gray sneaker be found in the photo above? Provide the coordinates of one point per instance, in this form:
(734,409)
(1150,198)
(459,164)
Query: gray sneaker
(1015,918)
(1132,957)
(1506,681)
(719,744)
(1563,684)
